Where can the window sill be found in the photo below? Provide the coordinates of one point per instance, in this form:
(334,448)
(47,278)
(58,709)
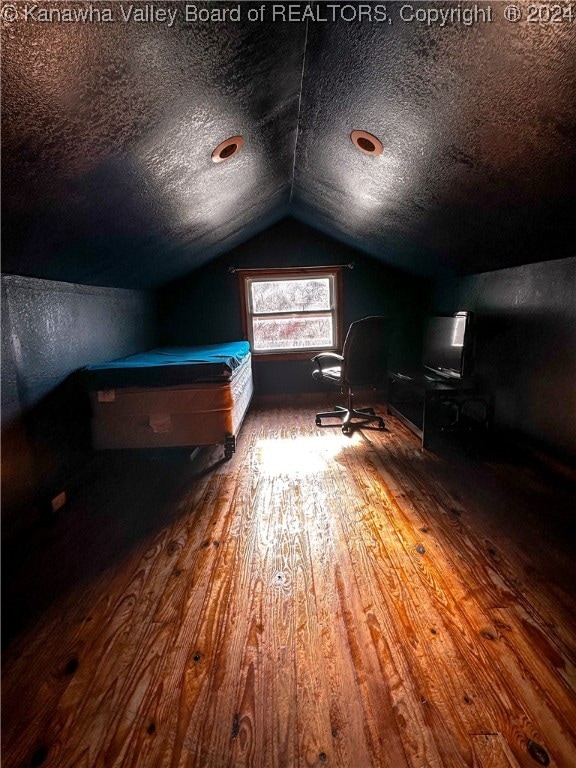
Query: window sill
(267,357)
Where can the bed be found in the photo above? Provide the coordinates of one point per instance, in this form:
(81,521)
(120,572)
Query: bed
(171,397)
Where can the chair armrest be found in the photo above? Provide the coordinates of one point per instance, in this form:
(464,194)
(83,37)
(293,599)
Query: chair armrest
(327,360)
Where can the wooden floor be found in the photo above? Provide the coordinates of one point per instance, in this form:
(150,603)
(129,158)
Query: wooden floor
(318,600)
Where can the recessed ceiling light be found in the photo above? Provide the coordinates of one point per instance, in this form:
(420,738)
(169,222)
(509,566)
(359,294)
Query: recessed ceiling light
(367,143)
(227,148)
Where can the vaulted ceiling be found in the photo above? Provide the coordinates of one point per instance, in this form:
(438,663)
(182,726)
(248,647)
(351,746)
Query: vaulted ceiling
(108,129)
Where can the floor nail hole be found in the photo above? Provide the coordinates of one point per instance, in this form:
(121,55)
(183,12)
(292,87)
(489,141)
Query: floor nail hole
(71,666)
(39,756)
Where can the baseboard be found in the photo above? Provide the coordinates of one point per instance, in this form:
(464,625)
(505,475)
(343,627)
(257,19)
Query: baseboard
(551,463)
(291,399)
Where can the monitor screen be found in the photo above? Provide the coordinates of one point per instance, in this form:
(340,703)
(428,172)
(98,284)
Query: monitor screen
(448,345)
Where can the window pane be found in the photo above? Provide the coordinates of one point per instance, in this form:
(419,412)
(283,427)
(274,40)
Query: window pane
(304,295)
(271,333)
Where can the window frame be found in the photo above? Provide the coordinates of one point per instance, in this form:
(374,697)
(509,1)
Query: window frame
(246,276)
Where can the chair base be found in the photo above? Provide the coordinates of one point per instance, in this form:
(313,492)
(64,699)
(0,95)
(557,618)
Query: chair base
(364,416)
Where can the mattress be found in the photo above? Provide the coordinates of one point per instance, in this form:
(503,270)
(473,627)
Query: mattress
(166,366)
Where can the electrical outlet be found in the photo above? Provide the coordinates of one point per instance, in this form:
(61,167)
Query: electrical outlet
(58,501)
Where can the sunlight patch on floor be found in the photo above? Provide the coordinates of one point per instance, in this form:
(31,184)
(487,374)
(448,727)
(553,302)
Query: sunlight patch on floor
(304,455)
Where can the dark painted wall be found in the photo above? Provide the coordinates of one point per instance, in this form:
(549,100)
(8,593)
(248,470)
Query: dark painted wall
(205,307)
(526,346)
(49,330)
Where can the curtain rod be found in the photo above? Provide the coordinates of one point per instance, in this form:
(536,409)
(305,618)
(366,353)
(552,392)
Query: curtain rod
(350,265)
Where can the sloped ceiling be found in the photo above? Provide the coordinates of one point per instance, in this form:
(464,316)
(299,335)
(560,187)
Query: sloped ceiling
(108,128)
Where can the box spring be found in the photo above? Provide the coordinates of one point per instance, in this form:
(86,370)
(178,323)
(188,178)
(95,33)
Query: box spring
(194,414)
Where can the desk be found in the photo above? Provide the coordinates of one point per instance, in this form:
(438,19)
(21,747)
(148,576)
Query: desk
(425,402)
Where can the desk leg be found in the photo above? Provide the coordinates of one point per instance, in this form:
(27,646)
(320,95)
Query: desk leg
(424,420)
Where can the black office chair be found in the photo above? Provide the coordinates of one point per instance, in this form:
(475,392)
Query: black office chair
(363,363)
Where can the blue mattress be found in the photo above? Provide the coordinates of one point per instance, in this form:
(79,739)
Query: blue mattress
(167,366)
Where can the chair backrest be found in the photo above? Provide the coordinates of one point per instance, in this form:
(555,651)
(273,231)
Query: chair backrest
(365,351)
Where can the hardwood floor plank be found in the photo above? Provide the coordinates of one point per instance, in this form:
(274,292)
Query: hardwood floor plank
(258,645)
(317,600)
(512,724)
(492,751)
(414,612)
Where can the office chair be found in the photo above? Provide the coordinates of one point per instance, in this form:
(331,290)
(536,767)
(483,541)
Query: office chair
(363,362)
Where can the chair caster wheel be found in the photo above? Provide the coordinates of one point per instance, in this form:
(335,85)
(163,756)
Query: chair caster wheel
(381,424)
(229,447)
(371,411)
(346,430)
(318,422)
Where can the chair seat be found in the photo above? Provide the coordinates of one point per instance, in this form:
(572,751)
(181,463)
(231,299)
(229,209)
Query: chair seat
(332,374)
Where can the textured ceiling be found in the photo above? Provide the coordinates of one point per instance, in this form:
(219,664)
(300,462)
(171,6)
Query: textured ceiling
(479,129)
(107,131)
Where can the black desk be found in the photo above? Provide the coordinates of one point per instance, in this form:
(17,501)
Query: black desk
(426,403)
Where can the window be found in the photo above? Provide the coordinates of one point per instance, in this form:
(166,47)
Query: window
(291,310)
